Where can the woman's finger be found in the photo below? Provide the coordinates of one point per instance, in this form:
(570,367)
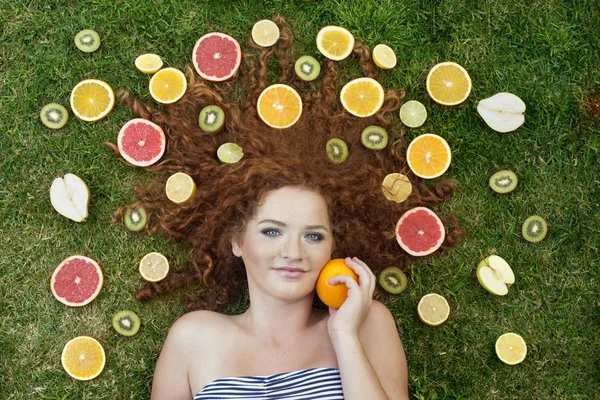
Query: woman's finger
(344,279)
(368,278)
(361,269)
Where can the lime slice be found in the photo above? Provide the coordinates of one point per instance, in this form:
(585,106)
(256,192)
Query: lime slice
(230,153)
(413,114)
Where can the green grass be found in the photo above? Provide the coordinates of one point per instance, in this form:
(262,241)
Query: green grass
(546,52)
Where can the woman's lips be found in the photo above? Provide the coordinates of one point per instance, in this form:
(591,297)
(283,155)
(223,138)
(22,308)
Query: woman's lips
(289,272)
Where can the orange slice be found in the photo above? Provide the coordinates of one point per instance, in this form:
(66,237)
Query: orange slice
(83,358)
(92,99)
(433,309)
(279,106)
(168,85)
(148,63)
(362,97)
(428,156)
(335,42)
(180,187)
(448,84)
(154,267)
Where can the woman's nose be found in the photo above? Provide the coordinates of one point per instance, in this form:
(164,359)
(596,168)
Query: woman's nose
(292,248)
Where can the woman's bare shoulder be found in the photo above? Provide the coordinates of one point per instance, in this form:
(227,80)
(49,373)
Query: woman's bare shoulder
(203,323)
(379,317)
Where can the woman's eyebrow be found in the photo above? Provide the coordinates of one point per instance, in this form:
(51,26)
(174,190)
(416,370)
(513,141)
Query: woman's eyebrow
(283,224)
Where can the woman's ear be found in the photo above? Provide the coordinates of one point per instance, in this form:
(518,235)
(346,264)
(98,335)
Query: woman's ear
(235,247)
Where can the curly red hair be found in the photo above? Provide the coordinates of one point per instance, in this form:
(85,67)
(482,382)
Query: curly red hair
(363,220)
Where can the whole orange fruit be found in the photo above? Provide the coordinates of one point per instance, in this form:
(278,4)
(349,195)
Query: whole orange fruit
(334,295)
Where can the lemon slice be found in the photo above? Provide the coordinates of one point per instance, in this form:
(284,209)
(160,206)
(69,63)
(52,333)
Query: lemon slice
(335,42)
(396,187)
(83,358)
(384,57)
(448,83)
(265,33)
(148,63)
(92,100)
(168,85)
(511,348)
(230,153)
(433,309)
(154,267)
(180,187)
(413,114)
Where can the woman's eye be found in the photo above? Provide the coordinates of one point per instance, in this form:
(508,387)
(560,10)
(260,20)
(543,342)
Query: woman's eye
(270,232)
(315,237)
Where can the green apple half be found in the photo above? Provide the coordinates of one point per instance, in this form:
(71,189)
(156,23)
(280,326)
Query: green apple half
(70,196)
(495,275)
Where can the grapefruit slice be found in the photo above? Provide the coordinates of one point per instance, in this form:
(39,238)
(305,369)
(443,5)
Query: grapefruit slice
(76,281)
(141,142)
(420,232)
(216,56)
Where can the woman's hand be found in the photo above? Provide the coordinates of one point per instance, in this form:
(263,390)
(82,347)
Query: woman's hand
(346,320)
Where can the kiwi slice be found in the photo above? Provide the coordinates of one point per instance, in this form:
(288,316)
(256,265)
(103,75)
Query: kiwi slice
(87,40)
(307,68)
(54,116)
(337,150)
(503,181)
(211,119)
(374,137)
(534,229)
(126,322)
(135,218)
(393,280)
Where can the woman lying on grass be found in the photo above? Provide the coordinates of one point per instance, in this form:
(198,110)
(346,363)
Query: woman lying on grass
(269,223)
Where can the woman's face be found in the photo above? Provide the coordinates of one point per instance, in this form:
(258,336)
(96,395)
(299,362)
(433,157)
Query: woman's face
(287,242)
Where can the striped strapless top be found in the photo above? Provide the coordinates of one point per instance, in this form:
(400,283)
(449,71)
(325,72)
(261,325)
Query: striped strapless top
(305,384)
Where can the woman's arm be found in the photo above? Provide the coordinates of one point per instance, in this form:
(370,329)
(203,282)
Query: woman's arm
(373,365)
(363,332)
(170,376)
